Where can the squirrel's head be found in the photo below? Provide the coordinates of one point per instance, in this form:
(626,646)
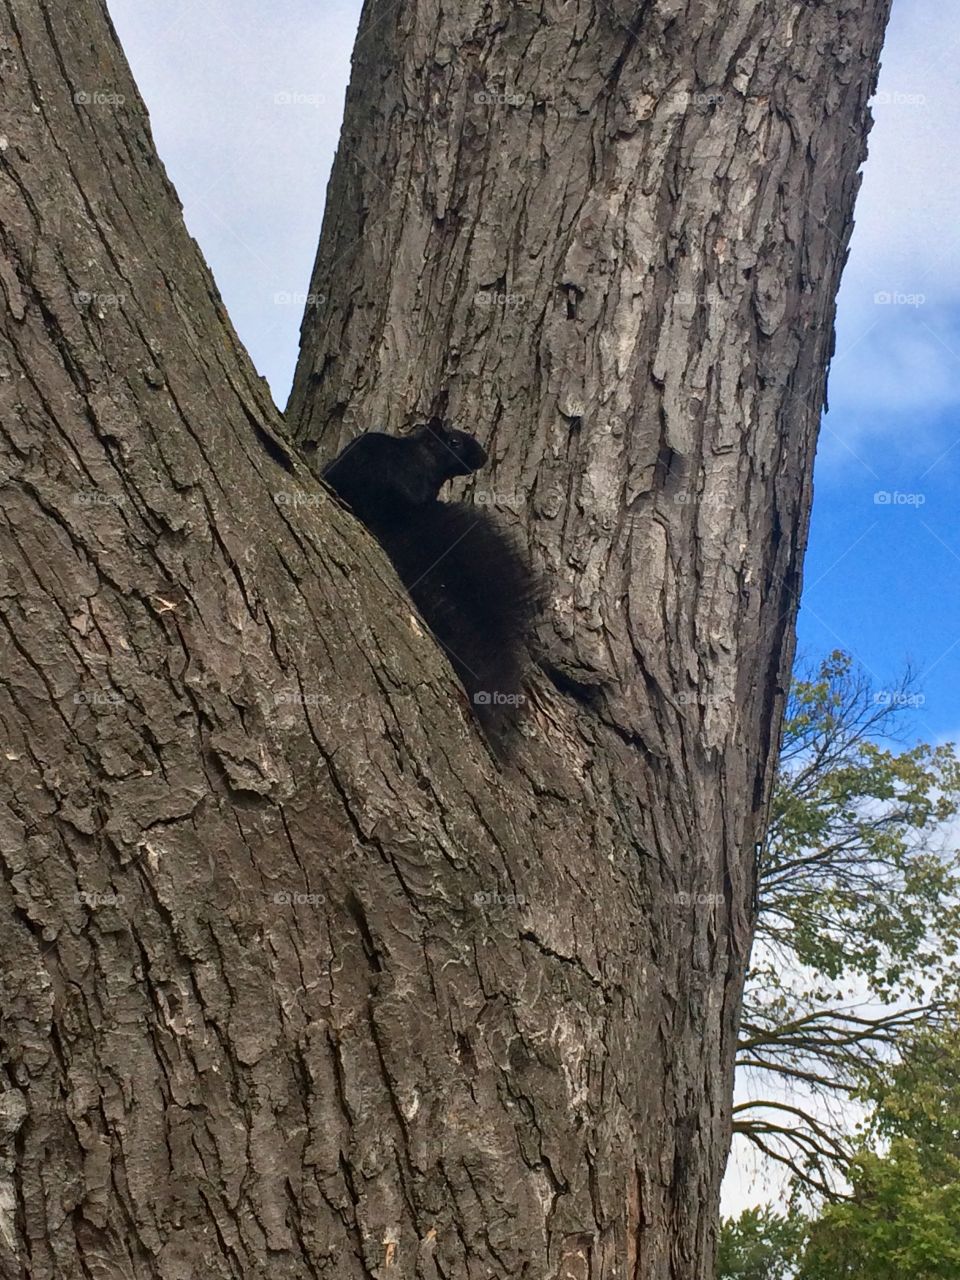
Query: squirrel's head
(456,453)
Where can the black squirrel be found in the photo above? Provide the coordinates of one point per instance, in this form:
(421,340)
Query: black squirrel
(473,588)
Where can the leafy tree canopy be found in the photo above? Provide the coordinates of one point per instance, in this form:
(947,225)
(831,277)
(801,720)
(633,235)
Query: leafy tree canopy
(901,1219)
(761,1244)
(857,938)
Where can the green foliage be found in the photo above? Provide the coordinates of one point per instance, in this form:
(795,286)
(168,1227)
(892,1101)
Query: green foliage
(853,879)
(854,994)
(917,1097)
(903,1217)
(858,912)
(901,1220)
(899,1223)
(759,1245)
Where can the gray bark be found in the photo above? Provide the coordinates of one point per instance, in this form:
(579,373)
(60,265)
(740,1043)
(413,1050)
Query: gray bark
(609,240)
(495,1037)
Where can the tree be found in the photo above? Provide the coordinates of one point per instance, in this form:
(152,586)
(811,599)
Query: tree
(761,1244)
(295,978)
(856,890)
(895,1224)
(903,1215)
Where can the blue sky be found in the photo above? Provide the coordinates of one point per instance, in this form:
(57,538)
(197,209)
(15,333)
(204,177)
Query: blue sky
(246,115)
(883,579)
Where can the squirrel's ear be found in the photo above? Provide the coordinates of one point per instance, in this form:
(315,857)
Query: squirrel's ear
(433,427)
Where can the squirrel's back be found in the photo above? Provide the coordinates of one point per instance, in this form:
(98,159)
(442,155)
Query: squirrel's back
(465,574)
(476,591)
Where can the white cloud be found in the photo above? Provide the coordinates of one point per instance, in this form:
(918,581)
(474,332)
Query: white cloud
(898,362)
(248,135)
(250,131)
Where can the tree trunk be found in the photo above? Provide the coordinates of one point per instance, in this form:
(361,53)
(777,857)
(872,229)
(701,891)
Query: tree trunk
(296,979)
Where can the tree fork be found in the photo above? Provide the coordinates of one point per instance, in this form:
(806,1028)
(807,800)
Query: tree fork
(608,239)
(294,977)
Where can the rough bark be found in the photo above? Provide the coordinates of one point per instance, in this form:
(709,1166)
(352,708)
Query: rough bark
(609,239)
(496,1038)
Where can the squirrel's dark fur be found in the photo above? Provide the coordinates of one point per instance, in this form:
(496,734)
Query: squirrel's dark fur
(464,574)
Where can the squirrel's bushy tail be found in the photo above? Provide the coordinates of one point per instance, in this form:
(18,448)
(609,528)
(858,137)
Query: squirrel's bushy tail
(478,597)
